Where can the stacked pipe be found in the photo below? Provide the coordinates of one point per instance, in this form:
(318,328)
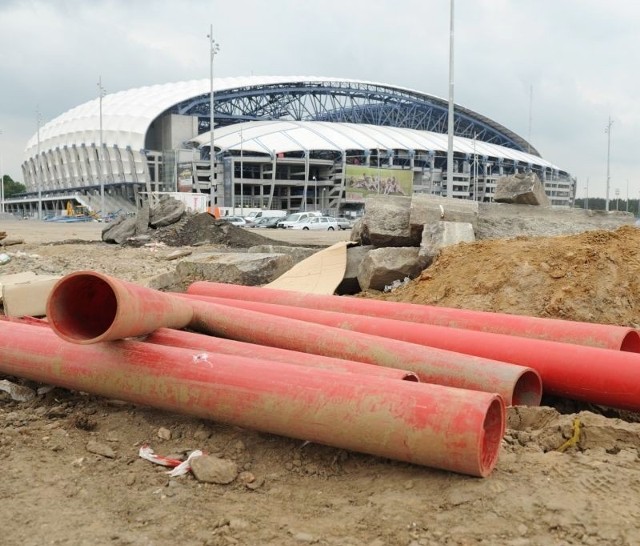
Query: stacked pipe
(344,375)
(82,348)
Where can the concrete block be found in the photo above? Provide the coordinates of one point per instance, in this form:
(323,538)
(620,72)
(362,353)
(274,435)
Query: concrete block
(28,299)
(383,266)
(521,189)
(437,236)
(386,221)
(234,267)
(355,256)
(431,209)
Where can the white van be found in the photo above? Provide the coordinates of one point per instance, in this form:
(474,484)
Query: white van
(296,217)
(256,215)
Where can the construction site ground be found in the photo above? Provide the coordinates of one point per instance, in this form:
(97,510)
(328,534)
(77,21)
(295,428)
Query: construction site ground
(71,474)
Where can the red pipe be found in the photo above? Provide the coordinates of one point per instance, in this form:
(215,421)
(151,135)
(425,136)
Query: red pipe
(581,333)
(516,384)
(431,425)
(176,338)
(599,376)
(89,307)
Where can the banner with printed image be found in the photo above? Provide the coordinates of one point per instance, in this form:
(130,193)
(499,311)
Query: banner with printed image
(363,181)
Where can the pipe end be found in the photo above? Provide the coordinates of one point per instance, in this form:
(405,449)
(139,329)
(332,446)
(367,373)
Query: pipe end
(493,430)
(527,390)
(82,307)
(631,342)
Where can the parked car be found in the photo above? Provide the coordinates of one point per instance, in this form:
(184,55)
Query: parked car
(317,223)
(344,222)
(267,222)
(296,217)
(235,220)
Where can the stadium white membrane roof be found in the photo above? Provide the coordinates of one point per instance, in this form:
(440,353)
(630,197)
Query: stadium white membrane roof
(281,136)
(127,115)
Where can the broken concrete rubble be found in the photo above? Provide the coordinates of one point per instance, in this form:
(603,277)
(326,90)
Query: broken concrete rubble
(522,189)
(437,236)
(383,266)
(386,221)
(234,267)
(355,256)
(166,212)
(431,209)
(120,230)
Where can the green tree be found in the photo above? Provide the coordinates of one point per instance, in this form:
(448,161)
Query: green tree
(12,187)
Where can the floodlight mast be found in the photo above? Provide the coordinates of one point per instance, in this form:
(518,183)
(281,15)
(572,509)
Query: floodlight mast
(608,131)
(214,48)
(450,116)
(101,94)
(38,169)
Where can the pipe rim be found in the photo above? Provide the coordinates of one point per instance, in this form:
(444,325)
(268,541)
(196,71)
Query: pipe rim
(631,342)
(493,429)
(73,303)
(527,390)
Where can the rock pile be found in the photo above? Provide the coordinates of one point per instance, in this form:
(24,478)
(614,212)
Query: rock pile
(168,222)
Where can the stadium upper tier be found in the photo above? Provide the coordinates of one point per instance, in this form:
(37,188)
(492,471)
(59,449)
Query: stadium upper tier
(128,115)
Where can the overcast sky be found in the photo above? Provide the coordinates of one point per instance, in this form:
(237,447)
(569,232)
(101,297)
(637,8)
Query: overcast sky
(580,57)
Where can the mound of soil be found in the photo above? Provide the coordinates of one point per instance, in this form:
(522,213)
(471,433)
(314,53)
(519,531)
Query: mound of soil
(205,229)
(590,277)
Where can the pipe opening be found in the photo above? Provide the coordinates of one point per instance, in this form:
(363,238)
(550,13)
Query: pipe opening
(410,376)
(631,342)
(528,390)
(81,307)
(493,430)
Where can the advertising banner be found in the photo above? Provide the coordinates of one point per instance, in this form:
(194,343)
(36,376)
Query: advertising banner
(185,177)
(363,181)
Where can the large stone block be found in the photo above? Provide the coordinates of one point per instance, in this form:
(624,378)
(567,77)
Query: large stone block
(437,236)
(386,221)
(382,266)
(119,230)
(167,211)
(431,209)
(298,253)
(234,267)
(521,189)
(355,256)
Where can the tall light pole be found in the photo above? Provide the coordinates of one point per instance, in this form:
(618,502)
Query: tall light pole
(101,94)
(2,180)
(315,193)
(450,125)
(586,195)
(38,169)
(214,47)
(608,131)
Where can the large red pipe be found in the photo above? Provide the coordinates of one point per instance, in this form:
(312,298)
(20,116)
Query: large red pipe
(431,425)
(599,376)
(581,333)
(89,307)
(212,344)
(518,385)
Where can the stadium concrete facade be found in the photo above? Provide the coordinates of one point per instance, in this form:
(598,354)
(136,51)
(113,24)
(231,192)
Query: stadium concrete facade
(292,143)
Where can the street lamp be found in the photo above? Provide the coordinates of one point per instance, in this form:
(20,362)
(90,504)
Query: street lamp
(214,48)
(450,127)
(1,180)
(38,170)
(315,193)
(608,131)
(101,94)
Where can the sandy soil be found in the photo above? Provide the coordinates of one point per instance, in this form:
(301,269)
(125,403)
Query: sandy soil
(57,490)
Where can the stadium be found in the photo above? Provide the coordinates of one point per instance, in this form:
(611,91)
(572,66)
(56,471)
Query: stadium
(291,143)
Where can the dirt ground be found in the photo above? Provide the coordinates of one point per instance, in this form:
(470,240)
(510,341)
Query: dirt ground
(71,472)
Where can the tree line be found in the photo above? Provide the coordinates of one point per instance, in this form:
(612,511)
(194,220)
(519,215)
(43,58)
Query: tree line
(12,187)
(599,203)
